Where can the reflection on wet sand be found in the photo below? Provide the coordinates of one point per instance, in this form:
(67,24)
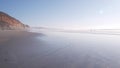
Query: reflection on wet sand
(59,50)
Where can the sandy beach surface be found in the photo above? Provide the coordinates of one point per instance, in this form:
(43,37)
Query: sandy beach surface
(21,49)
(14,45)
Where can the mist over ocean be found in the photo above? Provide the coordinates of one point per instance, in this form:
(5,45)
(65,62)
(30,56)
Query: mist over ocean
(99,49)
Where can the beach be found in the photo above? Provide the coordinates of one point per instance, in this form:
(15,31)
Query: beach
(21,49)
(12,44)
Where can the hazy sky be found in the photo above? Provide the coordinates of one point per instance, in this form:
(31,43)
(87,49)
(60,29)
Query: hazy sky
(65,13)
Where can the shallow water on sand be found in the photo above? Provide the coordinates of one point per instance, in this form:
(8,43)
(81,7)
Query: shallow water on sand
(82,50)
(61,50)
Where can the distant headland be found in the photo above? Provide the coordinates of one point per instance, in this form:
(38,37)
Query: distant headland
(8,22)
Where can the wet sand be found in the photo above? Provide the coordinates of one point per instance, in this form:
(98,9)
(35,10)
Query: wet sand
(13,45)
(20,49)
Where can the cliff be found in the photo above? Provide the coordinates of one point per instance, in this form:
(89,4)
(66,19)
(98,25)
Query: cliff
(8,22)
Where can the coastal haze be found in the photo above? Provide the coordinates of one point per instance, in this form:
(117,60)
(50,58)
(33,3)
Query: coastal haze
(60,34)
(48,49)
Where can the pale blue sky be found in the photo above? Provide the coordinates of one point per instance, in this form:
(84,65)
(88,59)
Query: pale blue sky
(65,13)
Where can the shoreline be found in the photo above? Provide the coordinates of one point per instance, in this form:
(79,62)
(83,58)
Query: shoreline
(31,50)
(15,46)
(16,34)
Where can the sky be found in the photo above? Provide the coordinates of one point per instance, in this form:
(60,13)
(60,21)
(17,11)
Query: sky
(67,14)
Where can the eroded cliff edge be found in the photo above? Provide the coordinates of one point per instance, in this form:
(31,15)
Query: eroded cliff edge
(8,22)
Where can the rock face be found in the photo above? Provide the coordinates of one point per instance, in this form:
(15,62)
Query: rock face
(9,23)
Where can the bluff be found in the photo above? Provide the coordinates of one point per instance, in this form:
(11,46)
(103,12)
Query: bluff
(8,22)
